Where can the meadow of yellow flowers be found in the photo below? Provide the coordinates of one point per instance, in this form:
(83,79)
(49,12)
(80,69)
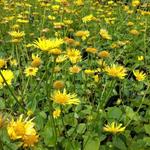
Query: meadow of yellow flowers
(74,74)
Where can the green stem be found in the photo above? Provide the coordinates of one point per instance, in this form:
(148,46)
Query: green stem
(48,91)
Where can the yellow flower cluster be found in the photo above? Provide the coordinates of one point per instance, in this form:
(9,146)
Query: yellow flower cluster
(23,130)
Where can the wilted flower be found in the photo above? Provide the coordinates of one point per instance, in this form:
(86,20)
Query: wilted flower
(104,54)
(91,50)
(58,84)
(74,69)
(134,32)
(2,121)
(36,61)
(104,34)
(2,63)
(82,34)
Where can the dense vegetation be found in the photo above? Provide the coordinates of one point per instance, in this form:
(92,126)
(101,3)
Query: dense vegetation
(74,75)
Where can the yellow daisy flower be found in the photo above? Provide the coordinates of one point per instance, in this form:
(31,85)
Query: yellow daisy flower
(74,55)
(56,113)
(47,44)
(65,99)
(113,128)
(116,71)
(140,76)
(16,34)
(31,71)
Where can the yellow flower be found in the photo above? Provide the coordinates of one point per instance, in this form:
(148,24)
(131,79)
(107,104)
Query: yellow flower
(23,130)
(134,32)
(79,2)
(16,34)
(30,140)
(29,112)
(47,44)
(96,78)
(19,128)
(140,58)
(69,41)
(140,76)
(55,51)
(103,54)
(89,72)
(31,71)
(75,69)
(91,50)
(57,69)
(130,23)
(36,62)
(116,71)
(104,34)
(74,55)
(113,128)
(56,113)
(135,3)
(65,99)
(51,17)
(58,84)
(101,63)
(82,34)
(2,63)
(8,76)
(13,62)
(88,18)
(61,58)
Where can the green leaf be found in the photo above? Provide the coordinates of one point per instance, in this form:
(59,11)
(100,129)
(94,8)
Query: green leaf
(69,145)
(147,128)
(131,114)
(49,135)
(91,143)
(147,140)
(114,113)
(117,142)
(81,128)
(2,103)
